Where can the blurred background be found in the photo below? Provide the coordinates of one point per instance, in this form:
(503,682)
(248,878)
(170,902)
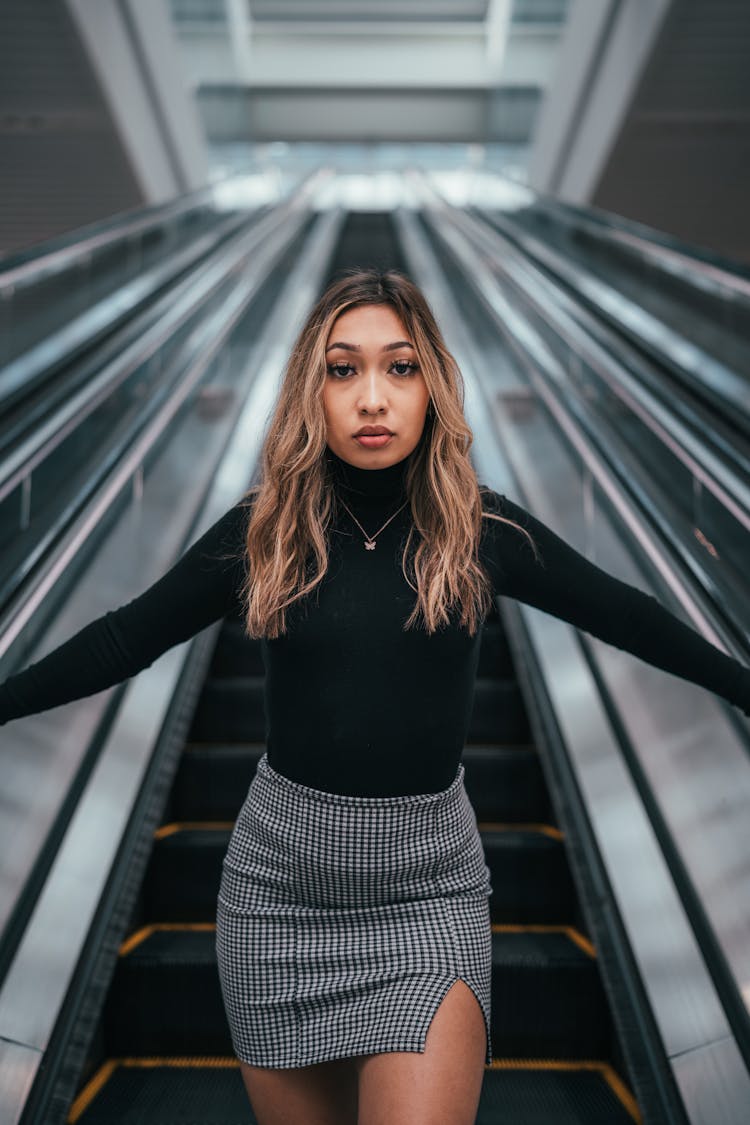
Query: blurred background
(568,183)
(636,108)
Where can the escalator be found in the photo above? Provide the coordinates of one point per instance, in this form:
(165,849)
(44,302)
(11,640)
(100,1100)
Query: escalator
(552,1032)
(699,295)
(685,462)
(564,1037)
(63,436)
(163,1051)
(51,285)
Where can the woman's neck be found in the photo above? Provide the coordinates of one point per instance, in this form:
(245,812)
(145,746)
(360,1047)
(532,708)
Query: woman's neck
(355,483)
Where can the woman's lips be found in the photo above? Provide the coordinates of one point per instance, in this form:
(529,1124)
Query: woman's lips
(373,441)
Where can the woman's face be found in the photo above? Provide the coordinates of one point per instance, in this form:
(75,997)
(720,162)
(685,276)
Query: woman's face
(373,379)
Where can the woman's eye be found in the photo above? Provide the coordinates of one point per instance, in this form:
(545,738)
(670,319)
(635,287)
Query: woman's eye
(406,365)
(336,368)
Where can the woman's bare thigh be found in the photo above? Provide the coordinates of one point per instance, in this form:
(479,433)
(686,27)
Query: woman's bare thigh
(323,1094)
(441,1086)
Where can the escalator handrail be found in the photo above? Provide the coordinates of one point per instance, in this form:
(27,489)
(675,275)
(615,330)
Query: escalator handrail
(678,260)
(25,371)
(143,435)
(697,448)
(49,259)
(694,264)
(697,602)
(25,374)
(716,472)
(682,356)
(25,268)
(66,416)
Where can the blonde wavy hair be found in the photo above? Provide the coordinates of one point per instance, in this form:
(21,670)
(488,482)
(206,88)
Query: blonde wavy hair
(286,550)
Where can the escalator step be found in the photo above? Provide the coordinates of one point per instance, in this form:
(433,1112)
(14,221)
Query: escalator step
(495,657)
(235,653)
(212,780)
(529,873)
(165,996)
(163,1092)
(503,782)
(230,710)
(173,1091)
(563,1094)
(183,874)
(546,996)
(498,713)
(530,876)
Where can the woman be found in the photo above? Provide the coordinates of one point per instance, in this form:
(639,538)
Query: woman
(353,931)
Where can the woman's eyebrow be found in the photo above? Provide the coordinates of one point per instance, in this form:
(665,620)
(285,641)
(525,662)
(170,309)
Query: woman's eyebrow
(356,348)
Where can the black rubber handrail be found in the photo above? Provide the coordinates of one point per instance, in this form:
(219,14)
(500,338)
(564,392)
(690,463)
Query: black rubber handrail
(23,268)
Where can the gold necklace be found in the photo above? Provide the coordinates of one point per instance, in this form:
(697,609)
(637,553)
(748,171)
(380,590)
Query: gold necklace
(370,540)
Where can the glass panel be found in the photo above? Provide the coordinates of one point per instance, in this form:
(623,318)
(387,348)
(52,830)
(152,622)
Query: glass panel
(539,11)
(33,312)
(31,516)
(198,11)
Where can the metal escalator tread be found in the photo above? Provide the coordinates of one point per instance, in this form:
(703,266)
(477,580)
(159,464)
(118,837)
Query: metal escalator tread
(163,1091)
(540,1096)
(210,1091)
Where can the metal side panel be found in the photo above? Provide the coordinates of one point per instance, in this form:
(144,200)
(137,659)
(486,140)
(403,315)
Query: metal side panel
(686,1008)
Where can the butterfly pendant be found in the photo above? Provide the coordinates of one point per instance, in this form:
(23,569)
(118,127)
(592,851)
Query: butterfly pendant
(370,544)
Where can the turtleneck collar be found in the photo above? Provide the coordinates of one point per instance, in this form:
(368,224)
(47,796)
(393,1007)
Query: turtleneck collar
(354,482)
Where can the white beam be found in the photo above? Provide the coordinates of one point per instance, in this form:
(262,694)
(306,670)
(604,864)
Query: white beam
(602,55)
(497,28)
(240,33)
(132,51)
(384,29)
(293,59)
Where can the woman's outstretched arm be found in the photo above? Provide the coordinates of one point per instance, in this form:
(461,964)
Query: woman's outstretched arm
(200,588)
(564,583)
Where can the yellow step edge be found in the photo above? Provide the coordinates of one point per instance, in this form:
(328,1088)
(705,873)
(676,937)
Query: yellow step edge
(574,935)
(95,1084)
(90,1090)
(607,1071)
(570,932)
(520,826)
(186,825)
(144,932)
(84,1099)
(484,825)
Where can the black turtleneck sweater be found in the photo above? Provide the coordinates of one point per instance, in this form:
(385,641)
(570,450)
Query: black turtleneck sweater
(355,704)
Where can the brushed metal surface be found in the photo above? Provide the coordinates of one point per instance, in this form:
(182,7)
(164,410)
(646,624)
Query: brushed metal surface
(713,1082)
(18,1069)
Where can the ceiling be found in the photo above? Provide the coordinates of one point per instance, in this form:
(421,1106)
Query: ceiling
(370,11)
(471,71)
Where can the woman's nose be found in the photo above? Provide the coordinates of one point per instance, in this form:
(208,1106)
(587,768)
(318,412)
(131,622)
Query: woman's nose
(373,392)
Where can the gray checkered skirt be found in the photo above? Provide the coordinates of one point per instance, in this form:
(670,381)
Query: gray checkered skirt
(342,921)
